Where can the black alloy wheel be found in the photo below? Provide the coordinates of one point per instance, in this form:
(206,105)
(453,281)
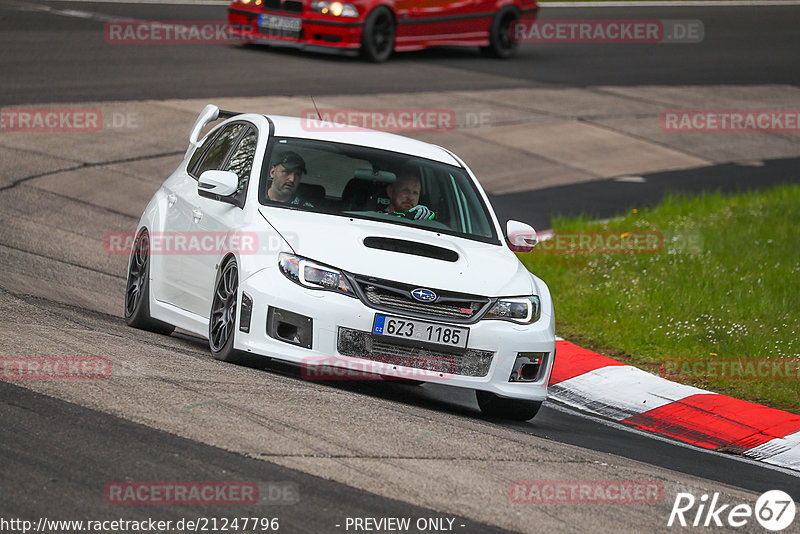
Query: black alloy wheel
(501,42)
(222,323)
(377,41)
(137,289)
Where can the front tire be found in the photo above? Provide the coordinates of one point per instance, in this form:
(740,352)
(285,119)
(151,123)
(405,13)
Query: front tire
(137,289)
(377,40)
(222,322)
(501,43)
(498,407)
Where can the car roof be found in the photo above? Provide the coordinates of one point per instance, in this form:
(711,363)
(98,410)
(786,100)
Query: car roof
(329,131)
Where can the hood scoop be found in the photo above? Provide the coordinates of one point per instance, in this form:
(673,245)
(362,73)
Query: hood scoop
(411,247)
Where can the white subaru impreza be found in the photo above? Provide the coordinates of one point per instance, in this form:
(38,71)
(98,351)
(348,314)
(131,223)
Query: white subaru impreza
(349,252)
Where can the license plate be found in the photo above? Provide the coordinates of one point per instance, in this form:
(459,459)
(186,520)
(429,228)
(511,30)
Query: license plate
(274,22)
(421,331)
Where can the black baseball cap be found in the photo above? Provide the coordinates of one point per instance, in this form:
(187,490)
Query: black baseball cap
(291,161)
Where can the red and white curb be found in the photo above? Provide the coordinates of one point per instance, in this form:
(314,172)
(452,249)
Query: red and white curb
(593,383)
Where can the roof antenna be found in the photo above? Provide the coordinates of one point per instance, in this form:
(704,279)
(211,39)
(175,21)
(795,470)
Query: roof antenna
(315,108)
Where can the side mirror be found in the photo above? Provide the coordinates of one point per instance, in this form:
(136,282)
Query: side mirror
(521,237)
(213,184)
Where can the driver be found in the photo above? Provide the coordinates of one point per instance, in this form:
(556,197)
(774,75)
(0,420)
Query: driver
(404,197)
(286,174)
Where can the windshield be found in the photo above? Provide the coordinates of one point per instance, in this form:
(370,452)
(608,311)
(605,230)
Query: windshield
(367,183)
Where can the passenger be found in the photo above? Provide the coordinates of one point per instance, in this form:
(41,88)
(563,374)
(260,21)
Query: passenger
(404,197)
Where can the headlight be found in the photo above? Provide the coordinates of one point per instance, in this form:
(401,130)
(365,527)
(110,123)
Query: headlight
(518,309)
(337,9)
(313,275)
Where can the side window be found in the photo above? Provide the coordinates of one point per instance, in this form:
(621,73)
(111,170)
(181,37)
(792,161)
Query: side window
(198,153)
(241,161)
(218,151)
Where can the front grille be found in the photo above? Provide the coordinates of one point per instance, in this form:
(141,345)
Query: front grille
(396,302)
(390,296)
(290,6)
(358,344)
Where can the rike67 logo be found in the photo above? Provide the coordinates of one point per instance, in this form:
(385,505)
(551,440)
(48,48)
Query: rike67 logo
(774,510)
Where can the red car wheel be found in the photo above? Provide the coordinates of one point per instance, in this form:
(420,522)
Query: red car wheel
(501,43)
(377,41)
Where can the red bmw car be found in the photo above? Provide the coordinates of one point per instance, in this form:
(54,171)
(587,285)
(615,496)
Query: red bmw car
(376,28)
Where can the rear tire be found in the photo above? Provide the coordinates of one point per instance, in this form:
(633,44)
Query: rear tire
(137,289)
(501,43)
(222,322)
(498,407)
(377,39)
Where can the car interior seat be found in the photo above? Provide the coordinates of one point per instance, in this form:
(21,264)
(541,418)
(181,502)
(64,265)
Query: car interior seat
(313,193)
(364,195)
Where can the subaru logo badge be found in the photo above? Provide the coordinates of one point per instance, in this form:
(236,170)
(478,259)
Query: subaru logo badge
(424,295)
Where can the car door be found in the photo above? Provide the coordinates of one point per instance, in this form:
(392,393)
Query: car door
(168,285)
(183,257)
(434,21)
(223,222)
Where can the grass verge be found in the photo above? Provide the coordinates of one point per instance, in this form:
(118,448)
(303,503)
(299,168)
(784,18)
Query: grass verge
(712,298)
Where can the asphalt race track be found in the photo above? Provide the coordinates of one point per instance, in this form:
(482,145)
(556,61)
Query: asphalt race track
(343,449)
(57,58)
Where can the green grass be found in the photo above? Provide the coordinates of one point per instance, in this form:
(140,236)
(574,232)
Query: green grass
(725,287)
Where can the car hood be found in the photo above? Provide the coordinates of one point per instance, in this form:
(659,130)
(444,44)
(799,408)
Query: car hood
(481,268)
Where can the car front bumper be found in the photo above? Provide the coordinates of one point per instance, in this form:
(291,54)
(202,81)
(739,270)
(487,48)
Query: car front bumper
(332,36)
(340,326)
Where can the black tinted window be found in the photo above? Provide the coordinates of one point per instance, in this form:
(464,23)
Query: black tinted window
(241,161)
(216,153)
(197,154)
